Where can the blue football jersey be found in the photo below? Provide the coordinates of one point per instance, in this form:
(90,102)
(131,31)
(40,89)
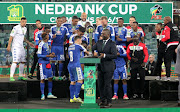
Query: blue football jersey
(100,28)
(120,59)
(43,50)
(84,38)
(121,33)
(131,33)
(39,37)
(61,33)
(74,52)
(71,28)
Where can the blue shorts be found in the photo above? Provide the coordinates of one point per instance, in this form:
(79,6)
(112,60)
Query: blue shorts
(45,73)
(120,72)
(59,52)
(75,73)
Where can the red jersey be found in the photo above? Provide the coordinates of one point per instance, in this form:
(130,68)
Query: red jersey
(139,51)
(171,34)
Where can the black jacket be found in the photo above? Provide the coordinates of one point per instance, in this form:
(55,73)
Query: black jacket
(150,68)
(107,64)
(171,34)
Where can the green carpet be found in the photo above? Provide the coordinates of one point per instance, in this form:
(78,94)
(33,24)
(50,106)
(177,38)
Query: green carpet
(95,110)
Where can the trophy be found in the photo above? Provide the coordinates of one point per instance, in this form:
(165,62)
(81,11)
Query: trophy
(90,30)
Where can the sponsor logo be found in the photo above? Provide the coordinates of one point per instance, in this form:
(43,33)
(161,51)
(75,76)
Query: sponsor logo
(16,12)
(157,9)
(90,74)
(90,92)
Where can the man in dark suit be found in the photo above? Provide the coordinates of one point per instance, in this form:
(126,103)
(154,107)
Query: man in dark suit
(107,51)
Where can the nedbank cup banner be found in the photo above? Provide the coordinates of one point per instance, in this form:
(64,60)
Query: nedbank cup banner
(145,12)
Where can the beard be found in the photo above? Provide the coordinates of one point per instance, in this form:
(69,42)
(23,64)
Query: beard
(83,19)
(105,38)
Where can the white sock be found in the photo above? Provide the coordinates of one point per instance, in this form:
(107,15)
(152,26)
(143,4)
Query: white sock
(21,69)
(13,68)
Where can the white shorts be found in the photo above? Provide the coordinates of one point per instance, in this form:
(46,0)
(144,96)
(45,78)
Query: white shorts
(18,54)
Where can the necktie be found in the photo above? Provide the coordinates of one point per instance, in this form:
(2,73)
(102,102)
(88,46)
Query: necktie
(103,44)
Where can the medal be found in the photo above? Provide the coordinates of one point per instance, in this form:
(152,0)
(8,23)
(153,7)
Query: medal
(119,30)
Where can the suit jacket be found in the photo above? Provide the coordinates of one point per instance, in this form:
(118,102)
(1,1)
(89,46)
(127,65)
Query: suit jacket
(107,64)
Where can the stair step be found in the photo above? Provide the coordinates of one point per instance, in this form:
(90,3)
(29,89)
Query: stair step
(169,95)
(9,96)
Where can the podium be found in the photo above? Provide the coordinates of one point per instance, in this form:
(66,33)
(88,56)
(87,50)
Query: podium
(89,82)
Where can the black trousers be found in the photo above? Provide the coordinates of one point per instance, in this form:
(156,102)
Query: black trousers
(105,87)
(160,59)
(66,62)
(169,56)
(35,61)
(135,86)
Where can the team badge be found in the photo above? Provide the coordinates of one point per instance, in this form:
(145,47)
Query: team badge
(58,32)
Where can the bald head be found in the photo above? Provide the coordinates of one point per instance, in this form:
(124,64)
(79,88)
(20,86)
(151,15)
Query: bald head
(167,19)
(83,16)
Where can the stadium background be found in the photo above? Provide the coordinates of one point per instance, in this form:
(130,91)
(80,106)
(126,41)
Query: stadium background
(5,29)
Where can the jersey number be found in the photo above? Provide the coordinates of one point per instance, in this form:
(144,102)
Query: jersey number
(71,56)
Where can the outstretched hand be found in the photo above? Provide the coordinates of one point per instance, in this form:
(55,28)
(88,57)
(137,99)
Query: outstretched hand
(101,55)
(32,45)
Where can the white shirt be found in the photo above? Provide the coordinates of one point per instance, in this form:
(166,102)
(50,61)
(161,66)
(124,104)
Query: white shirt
(105,44)
(105,41)
(82,23)
(18,34)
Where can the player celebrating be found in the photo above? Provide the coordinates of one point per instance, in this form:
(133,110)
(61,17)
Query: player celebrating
(18,53)
(59,33)
(134,31)
(120,33)
(131,20)
(39,36)
(83,20)
(120,71)
(44,65)
(80,32)
(75,70)
(72,28)
(103,26)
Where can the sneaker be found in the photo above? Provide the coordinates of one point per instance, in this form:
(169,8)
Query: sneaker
(42,97)
(82,87)
(11,79)
(176,79)
(142,96)
(64,78)
(165,78)
(79,100)
(30,76)
(72,101)
(50,95)
(169,78)
(22,78)
(125,97)
(135,96)
(60,78)
(115,97)
(158,78)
